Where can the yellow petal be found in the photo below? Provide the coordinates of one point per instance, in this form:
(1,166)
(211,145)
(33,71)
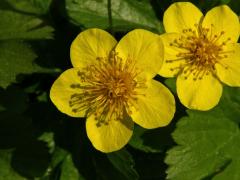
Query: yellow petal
(89,45)
(171,62)
(228,70)
(156,108)
(198,94)
(224,19)
(110,137)
(61,92)
(143,47)
(181,15)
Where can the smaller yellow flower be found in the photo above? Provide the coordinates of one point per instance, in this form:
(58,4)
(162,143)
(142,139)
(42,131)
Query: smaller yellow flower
(111,85)
(202,52)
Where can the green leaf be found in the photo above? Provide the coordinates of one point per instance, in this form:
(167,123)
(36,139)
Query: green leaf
(14,25)
(6,171)
(31,6)
(16,58)
(117,165)
(208,147)
(62,160)
(171,84)
(126,14)
(124,163)
(58,156)
(154,141)
(68,170)
(48,137)
(230,103)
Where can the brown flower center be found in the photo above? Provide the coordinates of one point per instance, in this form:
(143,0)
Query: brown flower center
(200,50)
(108,89)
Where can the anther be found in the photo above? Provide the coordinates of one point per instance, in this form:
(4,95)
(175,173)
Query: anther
(73,86)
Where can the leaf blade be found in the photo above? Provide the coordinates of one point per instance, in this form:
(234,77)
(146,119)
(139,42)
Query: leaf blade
(202,146)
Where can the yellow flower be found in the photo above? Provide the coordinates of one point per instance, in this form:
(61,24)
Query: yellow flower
(111,85)
(202,51)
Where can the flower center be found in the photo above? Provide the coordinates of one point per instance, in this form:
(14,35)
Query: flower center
(199,51)
(109,88)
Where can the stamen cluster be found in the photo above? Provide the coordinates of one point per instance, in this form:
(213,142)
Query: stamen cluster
(109,88)
(200,50)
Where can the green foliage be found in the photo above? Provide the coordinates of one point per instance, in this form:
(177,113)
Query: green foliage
(208,142)
(69,171)
(230,103)
(117,165)
(7,173)
(148,140)
(124,163)
(127,14)
(208,146)
(40,143)
(19,26)
(16,58)
(31,6)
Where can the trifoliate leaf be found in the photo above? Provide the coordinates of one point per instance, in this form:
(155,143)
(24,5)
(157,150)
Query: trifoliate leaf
(16,58)
(14,25)
(126,14)
(6,172)
(30,6)
(208,147)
